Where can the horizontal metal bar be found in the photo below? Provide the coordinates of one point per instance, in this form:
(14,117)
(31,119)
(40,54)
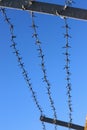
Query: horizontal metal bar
(61,123)
(46,8)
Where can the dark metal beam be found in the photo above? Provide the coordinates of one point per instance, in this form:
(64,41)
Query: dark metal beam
(46,8)
(61,123)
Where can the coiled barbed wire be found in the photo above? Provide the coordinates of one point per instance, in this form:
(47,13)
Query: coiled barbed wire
(21,63)
(43,67)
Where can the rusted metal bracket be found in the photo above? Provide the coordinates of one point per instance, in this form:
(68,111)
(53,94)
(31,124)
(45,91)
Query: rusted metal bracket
(47,8)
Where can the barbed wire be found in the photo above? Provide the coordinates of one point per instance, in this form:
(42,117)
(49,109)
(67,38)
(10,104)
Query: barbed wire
(67,68)
(67,58)
(41,55)
(21,63)
(43,67)
(67,65)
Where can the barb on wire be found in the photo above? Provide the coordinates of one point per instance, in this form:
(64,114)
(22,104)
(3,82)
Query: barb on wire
(21,63)
(41,56)
(68,3)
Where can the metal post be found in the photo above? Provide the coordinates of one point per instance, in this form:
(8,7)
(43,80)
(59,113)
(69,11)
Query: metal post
(46,8)
(61,123)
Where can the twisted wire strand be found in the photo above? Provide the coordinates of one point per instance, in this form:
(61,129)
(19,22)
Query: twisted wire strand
(21,64)
(67,68)
(67,59)
(67,65)
(43,67)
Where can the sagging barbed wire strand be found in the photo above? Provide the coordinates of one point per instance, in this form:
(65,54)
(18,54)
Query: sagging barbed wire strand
(43,67)
(21,63)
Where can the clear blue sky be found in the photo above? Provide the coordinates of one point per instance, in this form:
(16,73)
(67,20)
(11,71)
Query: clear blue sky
(17,109)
